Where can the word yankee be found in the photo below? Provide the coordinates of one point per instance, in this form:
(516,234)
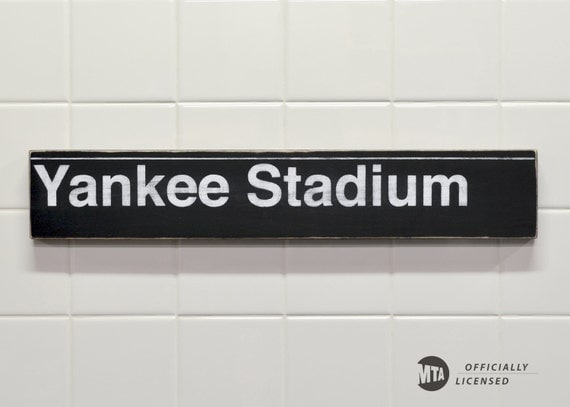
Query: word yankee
(293,194)
(213,190)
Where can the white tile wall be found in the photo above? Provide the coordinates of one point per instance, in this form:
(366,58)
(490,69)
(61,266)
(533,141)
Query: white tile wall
(265,323)
(338,50)
(124,361)
(535,50)
(229,126)
(35,361)
(341,126)
(34,277)
(535,273)
(337,362)
(231,278)
(123,277)
(33,40)
(543,344)
(446,49)
(119,126)
(231,50)
(451,277)
(338,278)
(231,362)
(446,126)
(123,50)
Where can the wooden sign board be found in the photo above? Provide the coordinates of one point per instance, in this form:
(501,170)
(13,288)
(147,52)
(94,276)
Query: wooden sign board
(309,194)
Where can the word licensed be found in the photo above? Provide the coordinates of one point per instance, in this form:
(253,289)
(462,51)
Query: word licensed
(333,194)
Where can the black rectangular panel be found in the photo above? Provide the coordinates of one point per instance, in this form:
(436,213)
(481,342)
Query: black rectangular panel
(309,194)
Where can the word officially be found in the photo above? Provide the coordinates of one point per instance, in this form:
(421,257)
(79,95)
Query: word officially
(268,187)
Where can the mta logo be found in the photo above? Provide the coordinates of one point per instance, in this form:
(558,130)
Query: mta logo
(433,373)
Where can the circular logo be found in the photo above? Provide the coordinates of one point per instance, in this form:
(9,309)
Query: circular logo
(433,373)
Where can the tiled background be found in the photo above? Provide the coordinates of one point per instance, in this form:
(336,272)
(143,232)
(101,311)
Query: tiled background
(265,323)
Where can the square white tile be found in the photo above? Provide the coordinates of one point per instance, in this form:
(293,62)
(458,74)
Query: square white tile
(339,50)
(545,128)
(534,275)
(535,50)
(456,341)
(231,50)
(339,125)
(123,50)
(338,277)
(35,362)
(34,278)
(26,127)
(446,50)
(123,126)
(123,277)
(542,343)
(33,39)
(338,362)
(224,278)
(254,126)
(231,362)
(446,277)
(460,126)
(118,362)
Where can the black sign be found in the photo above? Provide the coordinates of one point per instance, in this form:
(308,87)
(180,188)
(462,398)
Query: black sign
(310,194)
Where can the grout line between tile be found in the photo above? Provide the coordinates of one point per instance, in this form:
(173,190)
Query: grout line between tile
(125,316)
(391,363)
(392,125)
(177,50)
(284,117)
(35,316)
(69,74)
(71,355)
(392,276)
(502,352)
(177,269)
(432,316)
(72,253)
(500,51)
(392,6)
(284,305)
(176,367)
(285,329)
(508,102)
(285,361)
(235,317)
(285,87)
(392,89)
(500,299)
(285,51)
(177,81)
(70,325)
(70,276)
(280,316)
(339,317)
(500,75)
(285,290)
